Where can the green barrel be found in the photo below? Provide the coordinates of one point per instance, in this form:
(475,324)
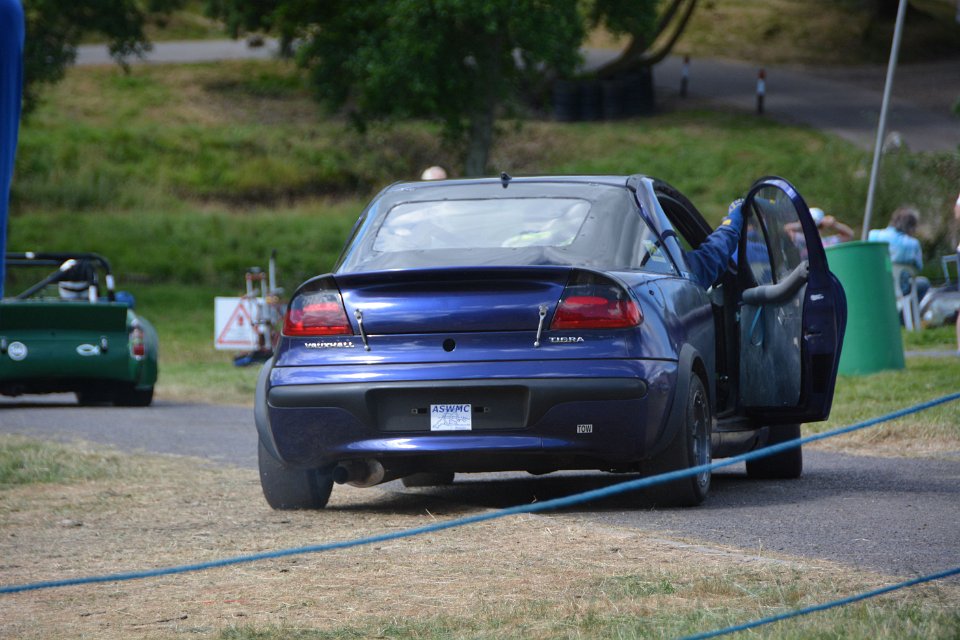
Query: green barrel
(873,341)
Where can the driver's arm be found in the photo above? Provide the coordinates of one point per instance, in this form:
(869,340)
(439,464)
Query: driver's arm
(708,261)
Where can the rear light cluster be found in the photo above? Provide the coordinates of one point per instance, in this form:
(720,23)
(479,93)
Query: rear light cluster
(590,301)
(137,347)
(317,310)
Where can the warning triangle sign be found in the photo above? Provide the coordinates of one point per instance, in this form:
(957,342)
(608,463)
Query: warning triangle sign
(239,330)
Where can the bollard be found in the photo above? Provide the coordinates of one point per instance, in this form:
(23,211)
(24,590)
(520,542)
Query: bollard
(685,76)
(761,90)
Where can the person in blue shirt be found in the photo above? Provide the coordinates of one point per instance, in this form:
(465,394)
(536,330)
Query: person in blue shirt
(904,247)
(708,261)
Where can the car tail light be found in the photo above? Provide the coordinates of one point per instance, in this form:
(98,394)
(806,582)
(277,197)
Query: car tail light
(592,302)
(137,347)
(317,312)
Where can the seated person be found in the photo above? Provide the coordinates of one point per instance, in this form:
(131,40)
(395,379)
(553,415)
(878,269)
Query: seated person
(76,281)
(904,247)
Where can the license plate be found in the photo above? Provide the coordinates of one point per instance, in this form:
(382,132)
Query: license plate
(451,417)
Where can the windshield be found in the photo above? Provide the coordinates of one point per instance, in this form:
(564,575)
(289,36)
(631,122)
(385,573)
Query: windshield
(602,229)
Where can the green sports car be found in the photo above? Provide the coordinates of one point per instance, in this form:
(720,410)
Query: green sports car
(71,331)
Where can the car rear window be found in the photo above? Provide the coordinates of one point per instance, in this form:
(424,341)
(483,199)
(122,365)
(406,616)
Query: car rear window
(482,224)
(597,227)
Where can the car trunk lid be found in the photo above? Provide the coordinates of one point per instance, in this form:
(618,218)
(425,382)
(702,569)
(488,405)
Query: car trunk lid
(77,316)
(452,300)
(480,314)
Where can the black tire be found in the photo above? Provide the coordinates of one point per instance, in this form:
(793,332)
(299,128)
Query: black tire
(440,479)
(292,488)
(94,396)
(690,447)
(133,397)
(786,465)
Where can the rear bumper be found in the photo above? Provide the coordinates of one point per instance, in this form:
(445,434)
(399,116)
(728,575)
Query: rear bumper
(570,414)
(55,360)
(54,377)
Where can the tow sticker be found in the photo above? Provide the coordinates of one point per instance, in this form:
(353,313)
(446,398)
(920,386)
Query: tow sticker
(451,417)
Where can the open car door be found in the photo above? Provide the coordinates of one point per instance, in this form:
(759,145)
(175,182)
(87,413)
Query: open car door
(793,312)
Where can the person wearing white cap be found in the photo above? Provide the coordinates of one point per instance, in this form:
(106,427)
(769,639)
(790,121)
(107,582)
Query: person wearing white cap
(824,222)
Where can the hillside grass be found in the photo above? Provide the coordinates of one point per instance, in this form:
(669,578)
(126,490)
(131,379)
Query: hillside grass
(187,23)
(817,32)
(834,32)
(237,156)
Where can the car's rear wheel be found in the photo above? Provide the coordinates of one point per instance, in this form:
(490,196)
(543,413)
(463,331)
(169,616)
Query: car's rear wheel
(287,487)
(428,479)
(94,396)
(786,465)
(133,397)
(690,448)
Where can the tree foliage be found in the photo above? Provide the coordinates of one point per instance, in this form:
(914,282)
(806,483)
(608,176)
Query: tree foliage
(634,18)
(460,61)
(56,27)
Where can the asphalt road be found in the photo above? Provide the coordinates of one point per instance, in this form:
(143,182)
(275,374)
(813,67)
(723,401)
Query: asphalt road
(898,516)
(841,101)
(223,434)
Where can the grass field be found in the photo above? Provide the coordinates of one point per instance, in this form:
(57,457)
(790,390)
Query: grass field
(547,576)
(932,432)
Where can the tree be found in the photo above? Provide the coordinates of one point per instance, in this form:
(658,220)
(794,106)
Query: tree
(883,9)
(55,28)
(635,18)
(460,61)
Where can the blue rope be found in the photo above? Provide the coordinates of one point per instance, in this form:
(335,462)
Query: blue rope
(823,607)
(548,505)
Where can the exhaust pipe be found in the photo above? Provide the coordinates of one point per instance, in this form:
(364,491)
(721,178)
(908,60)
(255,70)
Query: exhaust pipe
(361,473)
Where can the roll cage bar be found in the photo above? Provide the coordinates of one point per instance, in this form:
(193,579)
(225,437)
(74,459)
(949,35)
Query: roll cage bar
(64,263)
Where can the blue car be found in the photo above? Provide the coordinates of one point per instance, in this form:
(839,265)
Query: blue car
(546,324)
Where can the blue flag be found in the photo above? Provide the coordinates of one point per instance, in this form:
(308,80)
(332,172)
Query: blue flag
(11,87)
